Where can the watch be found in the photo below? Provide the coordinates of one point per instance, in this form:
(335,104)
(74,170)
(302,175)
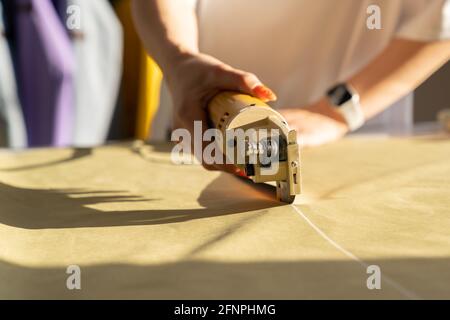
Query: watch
(345,100)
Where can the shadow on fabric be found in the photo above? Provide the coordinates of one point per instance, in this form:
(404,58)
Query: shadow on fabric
(50,209)
(426,277)
(78,153)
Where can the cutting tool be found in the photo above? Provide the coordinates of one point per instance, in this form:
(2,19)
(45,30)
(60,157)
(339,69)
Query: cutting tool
(270,153)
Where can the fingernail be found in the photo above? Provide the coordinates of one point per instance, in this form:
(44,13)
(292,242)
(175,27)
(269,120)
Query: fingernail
(240,173)
(264,93)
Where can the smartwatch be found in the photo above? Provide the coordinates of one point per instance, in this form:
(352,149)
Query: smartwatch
(345,100)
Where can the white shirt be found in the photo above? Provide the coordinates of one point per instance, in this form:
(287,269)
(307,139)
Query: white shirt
(300,48)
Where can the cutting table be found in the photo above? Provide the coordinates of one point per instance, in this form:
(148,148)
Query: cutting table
(140,227)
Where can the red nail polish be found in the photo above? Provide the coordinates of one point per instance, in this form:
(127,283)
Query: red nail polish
(240,173)
(264,93)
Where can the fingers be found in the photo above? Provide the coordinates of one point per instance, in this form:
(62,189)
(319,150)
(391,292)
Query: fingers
(197,80)
(229,168)
(245,82)
(264,93)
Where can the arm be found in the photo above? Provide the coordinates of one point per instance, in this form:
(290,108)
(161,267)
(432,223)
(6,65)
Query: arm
(397,71)
(168,29)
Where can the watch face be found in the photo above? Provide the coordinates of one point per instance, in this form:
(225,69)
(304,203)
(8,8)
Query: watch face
(339,95)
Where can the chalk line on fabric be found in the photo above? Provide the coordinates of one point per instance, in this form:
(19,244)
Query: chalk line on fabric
(407,293)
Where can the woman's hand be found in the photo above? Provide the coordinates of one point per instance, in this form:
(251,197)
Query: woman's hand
(194,79)
(316,124)
(169,31)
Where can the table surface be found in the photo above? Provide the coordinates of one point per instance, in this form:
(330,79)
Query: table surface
(139,226)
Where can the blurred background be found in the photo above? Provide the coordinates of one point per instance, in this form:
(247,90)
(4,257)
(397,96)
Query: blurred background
(74,73)
(432,96)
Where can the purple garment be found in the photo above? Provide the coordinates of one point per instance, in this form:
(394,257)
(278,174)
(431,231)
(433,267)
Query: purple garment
(45,65)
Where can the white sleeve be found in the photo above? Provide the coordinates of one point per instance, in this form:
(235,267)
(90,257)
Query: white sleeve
(425,20)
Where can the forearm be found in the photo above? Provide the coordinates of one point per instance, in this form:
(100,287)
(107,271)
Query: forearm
(168,28)
(397,71)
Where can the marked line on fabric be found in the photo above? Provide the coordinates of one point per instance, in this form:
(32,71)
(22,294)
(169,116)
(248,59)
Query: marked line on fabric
(407,293)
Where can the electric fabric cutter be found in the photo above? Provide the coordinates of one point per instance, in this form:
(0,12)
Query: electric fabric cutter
(278,157)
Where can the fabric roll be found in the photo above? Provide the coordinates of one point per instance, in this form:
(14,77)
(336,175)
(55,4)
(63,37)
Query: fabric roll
(45,65)
(98,46)
(149,92)
(141,80)
(10,110)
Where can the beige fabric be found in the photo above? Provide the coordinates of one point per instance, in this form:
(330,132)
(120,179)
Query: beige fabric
(140,227)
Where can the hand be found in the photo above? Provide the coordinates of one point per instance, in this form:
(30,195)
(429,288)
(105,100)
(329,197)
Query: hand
(316,124)
(194,79)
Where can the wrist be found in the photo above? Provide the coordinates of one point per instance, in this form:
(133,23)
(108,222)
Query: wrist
(345,100)
(175,55)
(325,108)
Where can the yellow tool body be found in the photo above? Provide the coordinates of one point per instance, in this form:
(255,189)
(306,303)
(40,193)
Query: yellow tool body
(230,111)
